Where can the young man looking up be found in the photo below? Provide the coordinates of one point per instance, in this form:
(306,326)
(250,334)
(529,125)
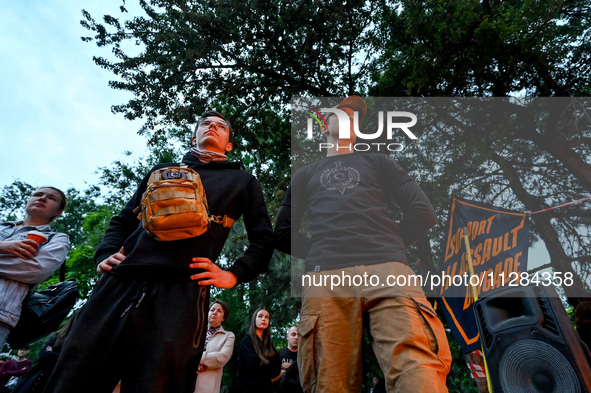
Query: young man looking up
(146,320)
(347,198)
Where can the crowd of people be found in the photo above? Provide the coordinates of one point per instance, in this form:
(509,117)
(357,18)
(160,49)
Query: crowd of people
(149,323)
(261,368)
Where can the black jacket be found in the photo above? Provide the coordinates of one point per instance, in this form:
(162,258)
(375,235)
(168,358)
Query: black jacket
(253,377)
(230,191)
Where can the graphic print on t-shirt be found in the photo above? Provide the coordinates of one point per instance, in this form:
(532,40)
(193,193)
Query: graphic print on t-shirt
(339,178)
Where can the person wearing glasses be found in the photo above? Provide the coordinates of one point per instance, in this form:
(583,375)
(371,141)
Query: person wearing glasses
(146,321)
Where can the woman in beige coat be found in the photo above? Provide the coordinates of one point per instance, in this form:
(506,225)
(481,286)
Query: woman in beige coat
(219,344)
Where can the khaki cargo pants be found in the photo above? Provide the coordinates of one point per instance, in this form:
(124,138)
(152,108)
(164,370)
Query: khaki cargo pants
(409,340)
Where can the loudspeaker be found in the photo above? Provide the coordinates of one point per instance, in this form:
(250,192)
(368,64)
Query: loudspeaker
(529,343)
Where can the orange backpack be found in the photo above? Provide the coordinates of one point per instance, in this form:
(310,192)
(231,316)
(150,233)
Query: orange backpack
(174,205)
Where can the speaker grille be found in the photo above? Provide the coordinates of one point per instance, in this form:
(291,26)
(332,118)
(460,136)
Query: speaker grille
(531,366)
(548,323)
(486,336)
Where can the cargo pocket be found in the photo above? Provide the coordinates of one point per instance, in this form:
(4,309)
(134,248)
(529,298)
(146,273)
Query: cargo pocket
(435,332)
(307,351)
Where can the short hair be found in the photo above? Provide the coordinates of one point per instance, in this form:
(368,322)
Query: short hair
(216,114)
(64,201)
(289,328)
(224,307)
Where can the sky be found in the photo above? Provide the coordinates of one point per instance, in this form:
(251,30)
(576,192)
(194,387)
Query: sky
(56,123)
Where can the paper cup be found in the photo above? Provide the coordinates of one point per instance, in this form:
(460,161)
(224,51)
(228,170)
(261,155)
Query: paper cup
(38,237)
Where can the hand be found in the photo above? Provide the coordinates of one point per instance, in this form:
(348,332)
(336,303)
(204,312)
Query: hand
(25,249)
(212,275)
(285,365)
(107,264)
(202,368)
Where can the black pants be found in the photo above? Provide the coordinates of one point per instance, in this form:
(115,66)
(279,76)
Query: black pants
(149,335)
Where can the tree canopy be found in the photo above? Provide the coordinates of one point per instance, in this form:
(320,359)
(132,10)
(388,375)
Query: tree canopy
(248,59)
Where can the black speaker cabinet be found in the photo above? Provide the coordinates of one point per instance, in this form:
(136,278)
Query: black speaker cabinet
(529,343)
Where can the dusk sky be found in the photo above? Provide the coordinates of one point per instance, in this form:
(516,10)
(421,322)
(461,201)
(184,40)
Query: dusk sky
(57,127)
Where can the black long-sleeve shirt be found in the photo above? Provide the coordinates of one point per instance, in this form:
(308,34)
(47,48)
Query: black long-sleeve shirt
(347,199)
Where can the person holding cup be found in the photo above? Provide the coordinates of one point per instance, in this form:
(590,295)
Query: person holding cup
(29,253)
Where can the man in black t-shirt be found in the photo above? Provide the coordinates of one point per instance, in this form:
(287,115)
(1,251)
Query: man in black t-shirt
(354,247)
(288,381)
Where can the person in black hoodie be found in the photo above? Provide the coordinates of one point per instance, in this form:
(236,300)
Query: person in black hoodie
(146,319)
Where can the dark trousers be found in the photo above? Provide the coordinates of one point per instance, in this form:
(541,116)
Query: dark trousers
(147,334)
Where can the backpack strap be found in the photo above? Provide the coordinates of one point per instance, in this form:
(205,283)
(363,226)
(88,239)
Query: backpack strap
(225,221)
(63,265)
